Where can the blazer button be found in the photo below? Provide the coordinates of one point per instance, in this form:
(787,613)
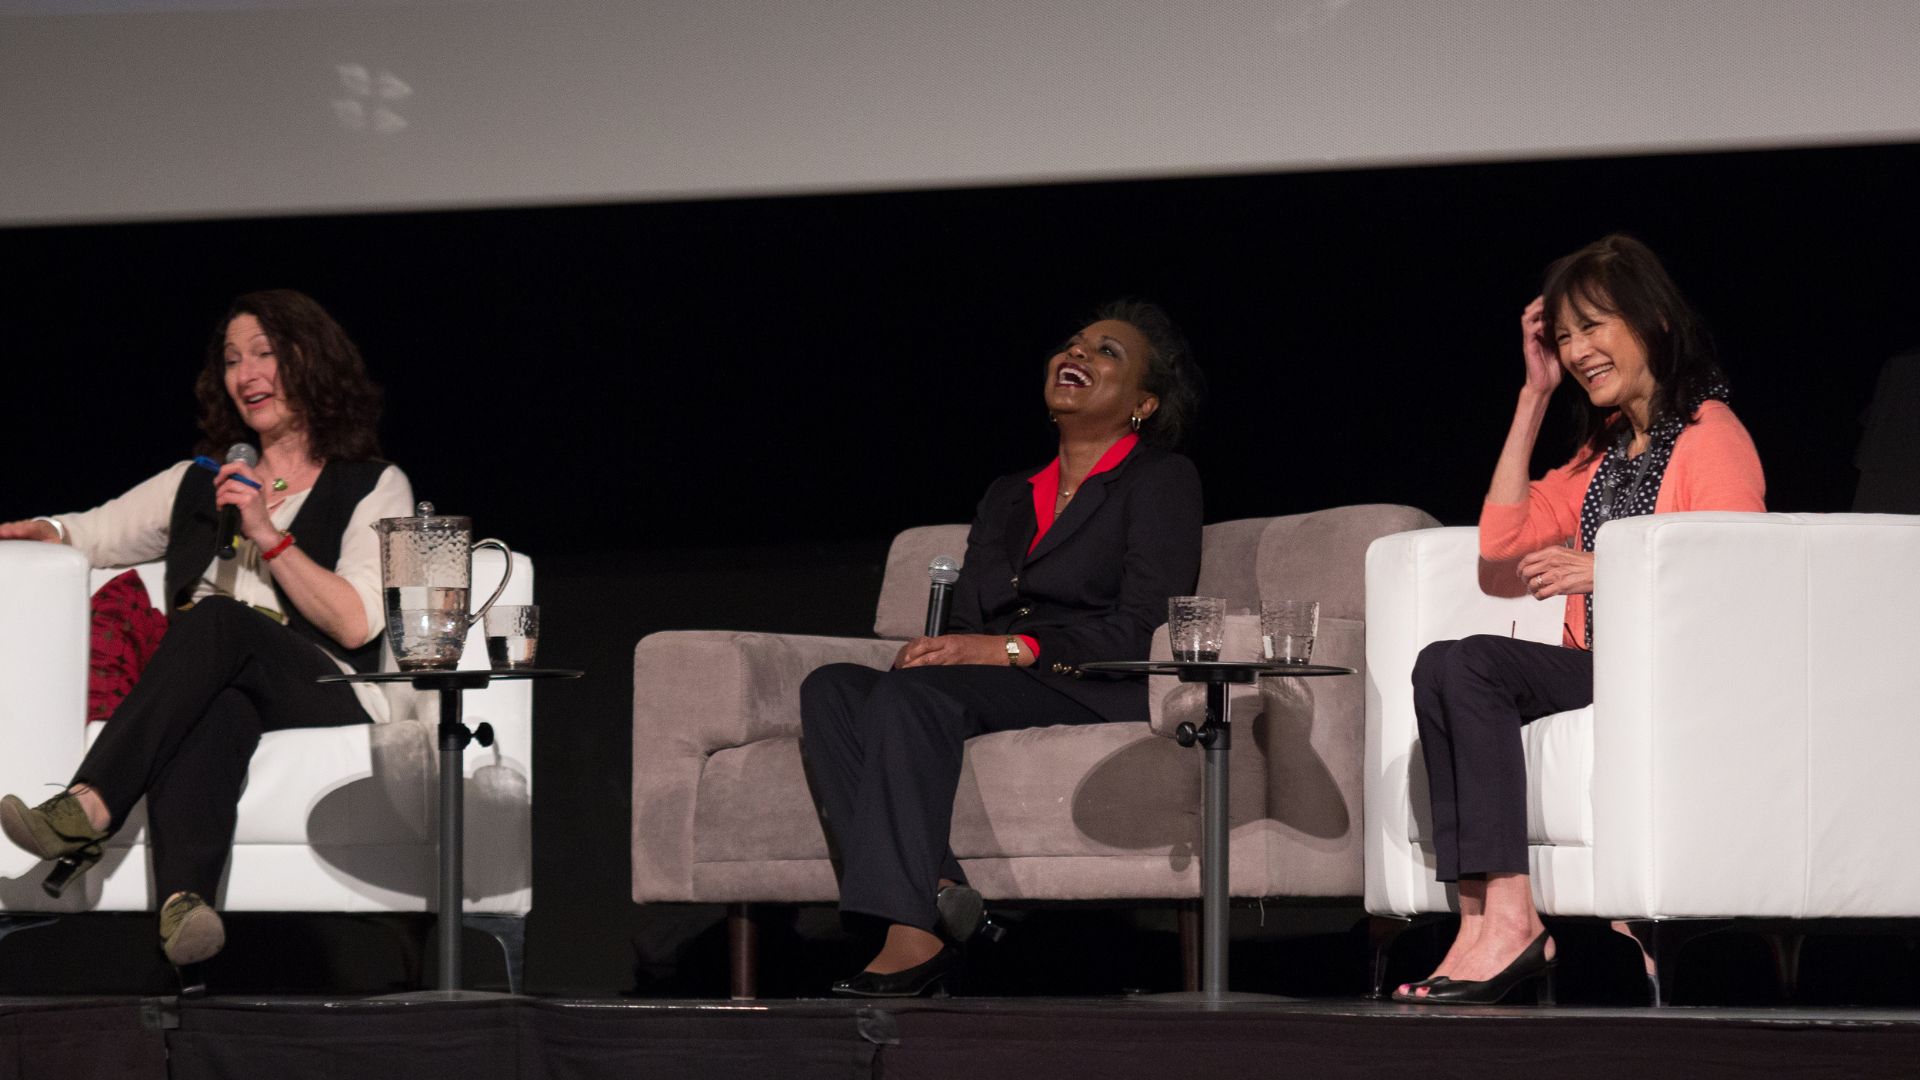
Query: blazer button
(1024,611)
(1016,581)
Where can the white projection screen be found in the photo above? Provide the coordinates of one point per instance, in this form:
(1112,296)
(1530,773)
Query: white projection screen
(116,110)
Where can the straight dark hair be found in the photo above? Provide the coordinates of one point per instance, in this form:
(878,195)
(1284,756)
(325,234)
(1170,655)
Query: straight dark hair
(1171,374)
(1620,276)
(321,372)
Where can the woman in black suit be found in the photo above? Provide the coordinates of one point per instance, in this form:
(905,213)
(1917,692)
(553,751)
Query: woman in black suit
(1065,565)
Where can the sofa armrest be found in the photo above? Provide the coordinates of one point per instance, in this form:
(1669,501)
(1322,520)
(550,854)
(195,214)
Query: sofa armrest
(696,692)
(1756,720)
(1423,586)
(43,670)
(709,689)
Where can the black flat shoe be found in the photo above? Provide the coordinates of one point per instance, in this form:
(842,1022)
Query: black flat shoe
(1531,968)
(961,910)
(920,980)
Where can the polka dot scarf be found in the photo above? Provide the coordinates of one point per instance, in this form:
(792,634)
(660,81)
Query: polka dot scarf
(1628,487)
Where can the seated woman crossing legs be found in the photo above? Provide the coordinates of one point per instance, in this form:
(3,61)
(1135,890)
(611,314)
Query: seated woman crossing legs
(1064,565)
(245,637)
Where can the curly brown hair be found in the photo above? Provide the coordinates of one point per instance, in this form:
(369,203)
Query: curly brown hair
(321,372)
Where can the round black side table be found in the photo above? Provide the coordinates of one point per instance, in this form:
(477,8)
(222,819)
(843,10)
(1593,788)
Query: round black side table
(454,737)
(1215,734)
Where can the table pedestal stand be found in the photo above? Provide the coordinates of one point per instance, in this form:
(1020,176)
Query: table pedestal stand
(452,738)
(1215,738)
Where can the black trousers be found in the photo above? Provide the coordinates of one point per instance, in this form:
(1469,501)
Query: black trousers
(883,753)
(223,674)
(1471,698)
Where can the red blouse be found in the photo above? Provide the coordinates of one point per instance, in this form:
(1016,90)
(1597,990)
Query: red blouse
(1046,492)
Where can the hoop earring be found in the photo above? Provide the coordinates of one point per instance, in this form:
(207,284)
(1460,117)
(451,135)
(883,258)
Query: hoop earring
(1135,421)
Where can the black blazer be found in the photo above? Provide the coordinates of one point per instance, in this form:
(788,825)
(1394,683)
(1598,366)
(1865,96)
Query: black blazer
(1097,585)
(193,533)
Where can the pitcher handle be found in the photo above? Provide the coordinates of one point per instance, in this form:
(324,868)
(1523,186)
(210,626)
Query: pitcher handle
(505,577)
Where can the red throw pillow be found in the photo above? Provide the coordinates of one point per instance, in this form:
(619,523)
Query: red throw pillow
(126,629)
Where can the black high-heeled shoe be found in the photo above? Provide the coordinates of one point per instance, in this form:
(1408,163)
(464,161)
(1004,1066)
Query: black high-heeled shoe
(1531,968)
(1406,990)
(920,980)
(961,911)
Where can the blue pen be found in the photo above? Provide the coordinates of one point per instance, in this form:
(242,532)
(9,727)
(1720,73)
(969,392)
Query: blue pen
(213,466)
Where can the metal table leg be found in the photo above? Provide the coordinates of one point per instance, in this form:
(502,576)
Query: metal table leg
(1217,737)
(454,737)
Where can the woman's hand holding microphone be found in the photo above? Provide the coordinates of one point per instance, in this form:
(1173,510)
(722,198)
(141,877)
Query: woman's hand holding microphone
(250,499)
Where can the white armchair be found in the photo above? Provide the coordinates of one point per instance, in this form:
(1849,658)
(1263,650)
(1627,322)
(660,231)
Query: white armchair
(1749,750)
(332,819)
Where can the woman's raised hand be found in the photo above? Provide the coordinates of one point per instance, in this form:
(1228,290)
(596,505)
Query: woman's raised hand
(1543,360)
(250,498)
(32,529)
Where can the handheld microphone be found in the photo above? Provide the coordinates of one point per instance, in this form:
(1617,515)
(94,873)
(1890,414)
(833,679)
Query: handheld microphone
(230,515)
(942,572)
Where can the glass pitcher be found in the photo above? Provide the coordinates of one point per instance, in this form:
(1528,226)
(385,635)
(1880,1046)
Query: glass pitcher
(426,570)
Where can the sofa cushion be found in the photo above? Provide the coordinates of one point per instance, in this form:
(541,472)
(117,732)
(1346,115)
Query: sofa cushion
(1559,753)
(1074,790)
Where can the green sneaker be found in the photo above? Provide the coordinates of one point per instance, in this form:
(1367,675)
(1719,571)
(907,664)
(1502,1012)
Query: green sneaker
(190,930)
(55,829)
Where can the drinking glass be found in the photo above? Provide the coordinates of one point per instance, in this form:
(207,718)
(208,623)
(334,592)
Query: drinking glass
(1287,629)
(1196,627)
(513,635)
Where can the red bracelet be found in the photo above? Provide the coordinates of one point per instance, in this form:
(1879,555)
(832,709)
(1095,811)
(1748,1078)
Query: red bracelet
(286,541)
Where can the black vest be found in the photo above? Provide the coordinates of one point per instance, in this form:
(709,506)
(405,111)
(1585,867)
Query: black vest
(193,537)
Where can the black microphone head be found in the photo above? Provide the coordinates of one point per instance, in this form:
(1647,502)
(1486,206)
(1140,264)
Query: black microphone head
(243,453)
(943,570)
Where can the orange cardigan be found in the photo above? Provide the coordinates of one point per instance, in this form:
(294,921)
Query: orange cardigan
(1714,467)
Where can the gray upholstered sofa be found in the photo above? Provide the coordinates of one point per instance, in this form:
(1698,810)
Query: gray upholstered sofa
(721,811)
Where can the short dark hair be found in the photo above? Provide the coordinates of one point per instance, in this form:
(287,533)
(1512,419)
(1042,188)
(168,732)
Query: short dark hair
(1621,276)
(321,371)
(1171,374)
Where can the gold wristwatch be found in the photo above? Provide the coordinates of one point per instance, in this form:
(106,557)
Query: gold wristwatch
(1013,651)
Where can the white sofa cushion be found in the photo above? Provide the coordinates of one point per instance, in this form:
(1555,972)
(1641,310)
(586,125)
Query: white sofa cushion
(1559,754)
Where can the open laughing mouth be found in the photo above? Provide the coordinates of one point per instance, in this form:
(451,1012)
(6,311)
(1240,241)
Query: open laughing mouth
(1072,374)
(1596,374)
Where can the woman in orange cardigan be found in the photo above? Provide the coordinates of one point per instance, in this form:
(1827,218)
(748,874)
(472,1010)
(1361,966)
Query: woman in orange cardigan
(1658,438)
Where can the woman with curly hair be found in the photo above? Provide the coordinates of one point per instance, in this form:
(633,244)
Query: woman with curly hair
(252,618)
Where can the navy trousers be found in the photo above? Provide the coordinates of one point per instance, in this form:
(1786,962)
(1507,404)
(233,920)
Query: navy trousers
(1471,698)
(883,752)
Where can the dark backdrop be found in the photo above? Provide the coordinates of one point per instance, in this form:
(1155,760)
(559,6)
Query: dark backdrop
(715,414)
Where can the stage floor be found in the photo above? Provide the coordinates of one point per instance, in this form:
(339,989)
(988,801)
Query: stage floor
(503,1037)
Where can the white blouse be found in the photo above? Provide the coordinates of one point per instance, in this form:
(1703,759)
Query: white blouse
(133,529)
